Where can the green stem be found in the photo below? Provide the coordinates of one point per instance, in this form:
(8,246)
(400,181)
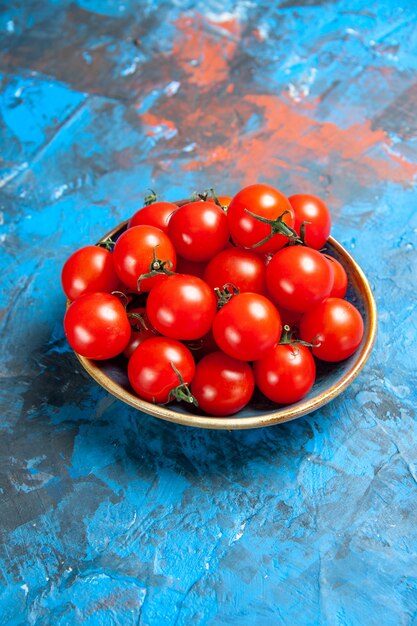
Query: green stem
(141,318)
(205,195)
(225,294)
(121,296)
(278,227)
(287,339)
(181,392)
(157,268)
(303,231)
(107,243)
(151,197)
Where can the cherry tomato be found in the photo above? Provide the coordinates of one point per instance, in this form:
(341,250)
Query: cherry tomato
(96,326)
(335,327)
(156,214)
(298,278)
(247,326)
(88,270)
(222,385)
(311,209)
(286,373)
(135,251)
(194,268)
(244,269)
(340,279)
(266,202)
(199,230)
(152,368)
(182,307)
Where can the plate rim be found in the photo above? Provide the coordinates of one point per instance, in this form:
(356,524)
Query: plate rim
(281,415)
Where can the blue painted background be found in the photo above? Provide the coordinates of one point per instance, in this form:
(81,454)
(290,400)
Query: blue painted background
(109,516)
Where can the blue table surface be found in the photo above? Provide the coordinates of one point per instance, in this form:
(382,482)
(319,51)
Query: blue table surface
(109,516)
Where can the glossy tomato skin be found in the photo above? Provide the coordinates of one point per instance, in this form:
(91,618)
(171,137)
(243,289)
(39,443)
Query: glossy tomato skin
(88,270)
(182,307)
(96,326)
(222,385)
(340,279)
(134,252)
(150,368)
(298,278)
(335,326)
(308,208)
(286,373)
(247,326)
(156,214)
(199,230)
(266,202)
(244,269)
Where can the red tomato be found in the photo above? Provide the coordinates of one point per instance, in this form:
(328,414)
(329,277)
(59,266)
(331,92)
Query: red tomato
(156,214)
(181,307)
(335,327)
(313,210)
(151,369)
(286,373)
(340,279)
(265,202)
(222,385)
(247,326)
(199,230)
(135,251)
(298,278)
(244,269)
(88,270)
(190,267)
(96,326)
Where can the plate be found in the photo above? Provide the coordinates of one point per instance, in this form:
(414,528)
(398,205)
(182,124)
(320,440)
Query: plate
(332,378)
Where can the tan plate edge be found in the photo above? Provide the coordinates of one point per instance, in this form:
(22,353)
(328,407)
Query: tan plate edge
(282,415)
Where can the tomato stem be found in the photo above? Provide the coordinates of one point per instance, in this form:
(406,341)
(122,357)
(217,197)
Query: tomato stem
(151,197)
(288,339)
(303,232)
(278,227)
(107,243)
(141,318)
(225,294)
(122,296)
(205,195)
(157,268)
(181,392)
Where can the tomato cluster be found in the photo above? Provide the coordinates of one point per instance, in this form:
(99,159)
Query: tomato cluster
(215,297)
